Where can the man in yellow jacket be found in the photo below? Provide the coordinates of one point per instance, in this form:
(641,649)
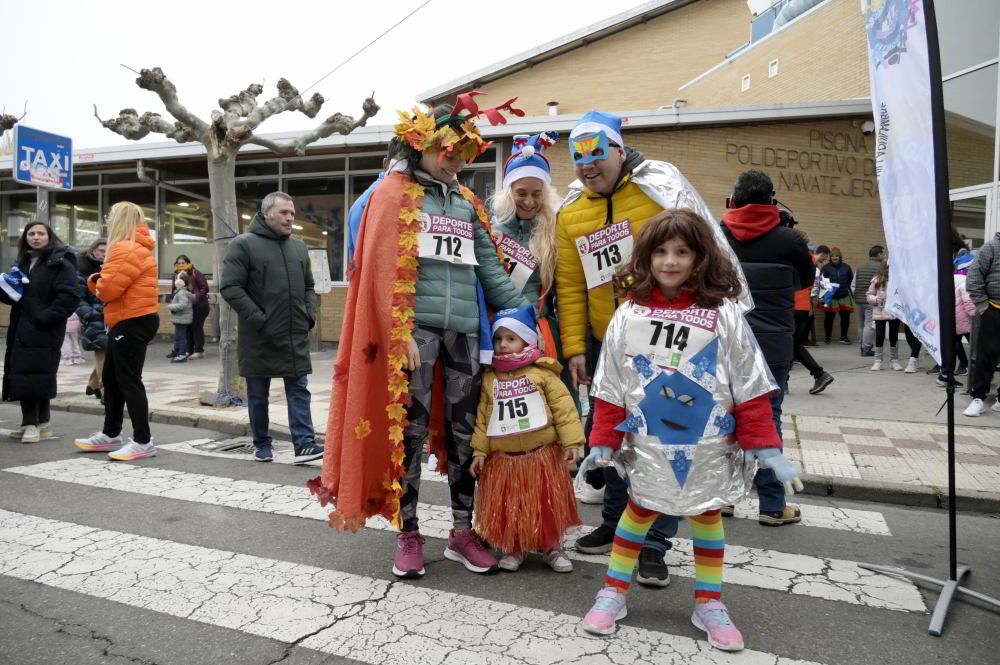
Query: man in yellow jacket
(616,193)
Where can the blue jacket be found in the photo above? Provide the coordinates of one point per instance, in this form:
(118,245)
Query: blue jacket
(354,216)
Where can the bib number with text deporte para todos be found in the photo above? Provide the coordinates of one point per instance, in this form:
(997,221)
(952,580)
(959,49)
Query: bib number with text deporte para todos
(518,407)
(448,239)
(604,251)
(669,337)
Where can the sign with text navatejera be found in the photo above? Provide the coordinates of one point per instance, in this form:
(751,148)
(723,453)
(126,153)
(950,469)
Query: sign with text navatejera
(43,159)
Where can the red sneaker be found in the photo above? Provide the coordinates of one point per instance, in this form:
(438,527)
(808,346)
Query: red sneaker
(408,560)
(465,547)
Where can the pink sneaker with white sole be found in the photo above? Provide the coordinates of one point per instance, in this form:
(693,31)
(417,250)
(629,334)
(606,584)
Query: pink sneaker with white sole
(465,547)
(713,618)
(408,560)
(607,610)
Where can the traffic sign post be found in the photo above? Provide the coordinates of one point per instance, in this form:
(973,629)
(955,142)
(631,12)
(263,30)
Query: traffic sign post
(45,161)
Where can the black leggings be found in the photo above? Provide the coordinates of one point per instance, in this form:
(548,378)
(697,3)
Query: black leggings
(126,355)
(800,353)
(912,340)
(845,323)
(196,331)
(880,332)
(34,412)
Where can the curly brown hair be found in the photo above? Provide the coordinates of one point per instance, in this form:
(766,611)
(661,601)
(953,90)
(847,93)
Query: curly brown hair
(714,277)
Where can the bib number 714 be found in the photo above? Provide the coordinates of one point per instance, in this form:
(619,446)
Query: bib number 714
(512,408)
(674,337)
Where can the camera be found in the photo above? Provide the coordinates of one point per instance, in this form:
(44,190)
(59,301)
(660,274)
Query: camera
(786,219)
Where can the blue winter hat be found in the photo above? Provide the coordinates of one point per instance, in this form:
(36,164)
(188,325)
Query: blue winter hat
(964,260)
(527,160)
(520,321)
(13,283)
(595,121)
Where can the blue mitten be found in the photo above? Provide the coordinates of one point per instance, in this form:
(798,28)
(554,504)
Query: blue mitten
(772,458)
(600,456)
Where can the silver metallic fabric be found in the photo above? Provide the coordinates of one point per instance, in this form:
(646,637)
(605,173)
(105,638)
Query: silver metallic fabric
(679,453)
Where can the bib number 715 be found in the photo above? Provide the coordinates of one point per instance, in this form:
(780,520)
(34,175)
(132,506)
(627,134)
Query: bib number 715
(607,257)
(454,244)
(674,337)
(512,408)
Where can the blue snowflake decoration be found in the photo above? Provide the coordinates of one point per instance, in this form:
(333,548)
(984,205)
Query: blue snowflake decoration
(726,424)
(644,366)
(631,424)
(681,464)
(705,361)
(676,409)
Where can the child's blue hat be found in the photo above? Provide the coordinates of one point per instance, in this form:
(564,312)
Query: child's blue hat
(964,260)
(527,160)
(520,321)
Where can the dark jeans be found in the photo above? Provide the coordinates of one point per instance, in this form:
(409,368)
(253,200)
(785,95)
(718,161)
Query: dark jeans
(122,376)
(299,416)
(845,323)
(616,489)
(770,490)
(987,353)
(181,333)
(196,331)
(34,412)
(802,323)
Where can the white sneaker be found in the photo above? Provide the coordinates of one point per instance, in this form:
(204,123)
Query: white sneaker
(16,434)
(996,406)
(30,434)
(511,562)
(45,431)
(133,450)
(911,366)
(895,366)
(587,494)
(558,561)
(877,365)
(99,442)
(975,408)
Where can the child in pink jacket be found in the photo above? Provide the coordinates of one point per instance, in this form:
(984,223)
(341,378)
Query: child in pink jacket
(965,313)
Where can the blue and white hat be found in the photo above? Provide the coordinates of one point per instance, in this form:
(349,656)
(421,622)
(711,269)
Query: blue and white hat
(520,321)
(13,283)
(595,121)
(526,159)
(964,260)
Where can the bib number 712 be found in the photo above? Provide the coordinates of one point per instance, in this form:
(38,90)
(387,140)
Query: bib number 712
(607,257)
(674,337)
(454,244)
(512,408)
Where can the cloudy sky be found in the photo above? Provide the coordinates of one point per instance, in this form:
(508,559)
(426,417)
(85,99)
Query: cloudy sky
(63,56)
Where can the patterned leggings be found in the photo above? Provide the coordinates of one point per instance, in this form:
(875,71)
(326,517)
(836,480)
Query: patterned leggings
(709,550)
(460,354)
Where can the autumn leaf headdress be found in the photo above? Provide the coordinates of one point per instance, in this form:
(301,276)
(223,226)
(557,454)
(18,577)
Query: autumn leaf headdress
(422,132)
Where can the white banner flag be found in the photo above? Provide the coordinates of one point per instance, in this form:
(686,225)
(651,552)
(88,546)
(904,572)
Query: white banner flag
(904,161)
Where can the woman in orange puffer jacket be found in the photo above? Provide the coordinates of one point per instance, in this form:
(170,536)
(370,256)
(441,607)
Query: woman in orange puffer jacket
(127,285)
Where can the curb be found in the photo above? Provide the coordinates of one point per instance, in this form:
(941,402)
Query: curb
(825,486)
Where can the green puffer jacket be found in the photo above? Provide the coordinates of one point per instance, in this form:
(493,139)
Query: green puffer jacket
(267,280)
(521,231)
(446,292)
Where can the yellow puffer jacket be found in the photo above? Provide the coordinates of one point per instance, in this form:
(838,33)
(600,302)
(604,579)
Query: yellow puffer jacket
(564,424)
(585,215)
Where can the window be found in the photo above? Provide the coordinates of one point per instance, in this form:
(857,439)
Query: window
(970,111)
(367,162)
(968,32)
(319,207)
(314,165)
(76,218)
(745,83)
(772,69)
(186,228)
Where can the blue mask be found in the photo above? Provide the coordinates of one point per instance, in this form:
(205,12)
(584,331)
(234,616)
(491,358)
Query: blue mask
(587,148)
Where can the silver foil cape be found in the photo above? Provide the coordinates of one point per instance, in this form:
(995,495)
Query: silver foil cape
(666,186)
(718,474)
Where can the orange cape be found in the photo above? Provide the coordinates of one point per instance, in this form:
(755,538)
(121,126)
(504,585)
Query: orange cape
(363,458)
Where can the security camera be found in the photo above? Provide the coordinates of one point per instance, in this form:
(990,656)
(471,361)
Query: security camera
(868,128)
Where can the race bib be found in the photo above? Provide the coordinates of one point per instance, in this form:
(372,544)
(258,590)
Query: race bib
(518,407)
(669,337)
(444,238)
(518,260)
(604,251)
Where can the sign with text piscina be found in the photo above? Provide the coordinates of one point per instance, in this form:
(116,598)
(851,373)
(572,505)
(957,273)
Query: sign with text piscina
(42,159)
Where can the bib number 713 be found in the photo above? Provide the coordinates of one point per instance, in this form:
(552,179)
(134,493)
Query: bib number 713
(674,337)
(512,408)
(607,257)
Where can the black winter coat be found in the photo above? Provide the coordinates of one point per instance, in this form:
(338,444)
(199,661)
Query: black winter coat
(93,333)
(773,316)
(38,325)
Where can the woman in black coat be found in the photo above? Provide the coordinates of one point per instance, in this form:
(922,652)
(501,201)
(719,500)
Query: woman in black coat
(93,333)
(37,327)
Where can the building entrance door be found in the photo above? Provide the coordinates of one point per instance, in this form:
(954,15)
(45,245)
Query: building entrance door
(970,213)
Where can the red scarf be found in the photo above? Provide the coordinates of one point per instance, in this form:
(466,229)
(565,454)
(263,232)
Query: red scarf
(508,362)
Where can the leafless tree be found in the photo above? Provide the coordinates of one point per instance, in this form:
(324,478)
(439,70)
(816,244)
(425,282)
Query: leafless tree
(231,127)
(7,121)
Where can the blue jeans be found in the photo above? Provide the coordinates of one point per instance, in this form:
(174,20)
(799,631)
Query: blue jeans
(299,416)
(770,490)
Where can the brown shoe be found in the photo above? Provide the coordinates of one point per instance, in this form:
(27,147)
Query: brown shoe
(790,514)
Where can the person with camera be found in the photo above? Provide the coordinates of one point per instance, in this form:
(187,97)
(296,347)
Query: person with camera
(776,262)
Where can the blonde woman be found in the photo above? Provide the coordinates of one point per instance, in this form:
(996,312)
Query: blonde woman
(127,285)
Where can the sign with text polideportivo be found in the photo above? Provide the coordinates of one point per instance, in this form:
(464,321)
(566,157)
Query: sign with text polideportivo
(42,159)
(904,161)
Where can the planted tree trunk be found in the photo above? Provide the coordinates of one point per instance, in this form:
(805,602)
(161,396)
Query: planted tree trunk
(230,128)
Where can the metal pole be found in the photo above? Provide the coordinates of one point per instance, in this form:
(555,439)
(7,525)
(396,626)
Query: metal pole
(42,205)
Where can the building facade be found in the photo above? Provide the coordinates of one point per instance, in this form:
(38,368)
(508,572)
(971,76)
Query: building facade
(705,84)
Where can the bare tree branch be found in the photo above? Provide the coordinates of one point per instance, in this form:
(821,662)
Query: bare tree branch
(336,123)
(7,120)
(134,127)
(288,99)
(243,103)
(156,81)
(274,146)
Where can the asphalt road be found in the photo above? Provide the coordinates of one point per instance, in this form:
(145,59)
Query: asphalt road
(188,559)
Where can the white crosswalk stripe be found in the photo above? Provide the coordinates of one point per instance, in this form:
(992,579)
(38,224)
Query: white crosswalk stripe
(797,574)
(813,515)
(364,618)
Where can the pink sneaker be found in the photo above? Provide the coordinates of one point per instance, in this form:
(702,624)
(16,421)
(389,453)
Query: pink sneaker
(608,608)
(465,547)
(408,560)
(713,618)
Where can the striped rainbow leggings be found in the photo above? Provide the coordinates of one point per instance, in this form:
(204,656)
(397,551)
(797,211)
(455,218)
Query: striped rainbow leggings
(709,550)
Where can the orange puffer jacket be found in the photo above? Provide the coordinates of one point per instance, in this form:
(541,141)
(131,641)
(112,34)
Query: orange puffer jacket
(127,283)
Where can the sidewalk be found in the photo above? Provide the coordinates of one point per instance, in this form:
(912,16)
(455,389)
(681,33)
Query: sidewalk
(870,435)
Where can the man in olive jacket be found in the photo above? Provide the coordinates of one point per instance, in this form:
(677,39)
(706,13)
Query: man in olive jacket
(267,280)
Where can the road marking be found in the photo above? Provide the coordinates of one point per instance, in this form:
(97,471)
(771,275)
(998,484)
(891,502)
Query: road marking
(799,574)
(353,616)
(813,515)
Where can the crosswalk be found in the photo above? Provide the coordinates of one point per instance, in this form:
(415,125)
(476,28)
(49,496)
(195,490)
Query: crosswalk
(382,620)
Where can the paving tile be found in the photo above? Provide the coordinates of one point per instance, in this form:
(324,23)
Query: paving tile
(880,451)
(971,458)
(916,444)
(820,436)
(862,431)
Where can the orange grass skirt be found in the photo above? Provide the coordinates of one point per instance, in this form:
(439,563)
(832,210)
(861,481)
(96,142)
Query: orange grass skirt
(525,502)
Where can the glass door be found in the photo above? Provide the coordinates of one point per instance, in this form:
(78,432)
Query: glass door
(970,214)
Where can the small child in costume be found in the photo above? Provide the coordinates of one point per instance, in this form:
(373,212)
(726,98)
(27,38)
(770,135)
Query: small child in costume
(527,431)
(181,315)
(682,408)
(72,350)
